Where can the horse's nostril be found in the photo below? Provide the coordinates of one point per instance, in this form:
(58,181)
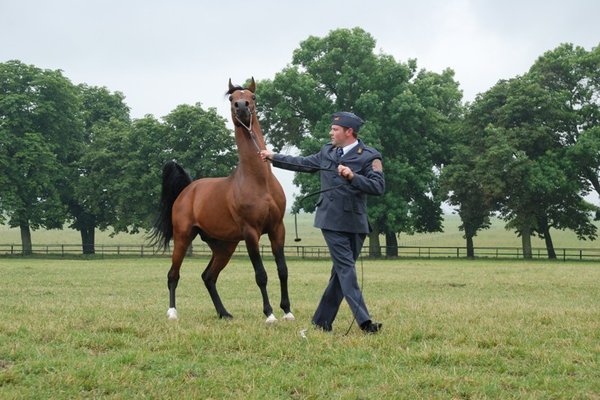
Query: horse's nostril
(247,104)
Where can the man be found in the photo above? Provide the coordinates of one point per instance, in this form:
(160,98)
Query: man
(349,171)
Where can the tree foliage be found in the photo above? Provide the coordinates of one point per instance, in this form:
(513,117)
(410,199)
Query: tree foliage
(40,138)
(198,139)
(91,197)
(409,115)
(521,143)
(528,149)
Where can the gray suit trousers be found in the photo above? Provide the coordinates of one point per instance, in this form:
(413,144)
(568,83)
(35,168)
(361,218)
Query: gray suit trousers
(344,248)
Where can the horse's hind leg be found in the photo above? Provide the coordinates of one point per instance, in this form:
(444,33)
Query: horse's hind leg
(179,249)
(277,238)
(222,252)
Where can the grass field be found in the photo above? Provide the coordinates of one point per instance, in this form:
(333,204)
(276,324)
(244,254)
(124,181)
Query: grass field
(452,329)
(496,236)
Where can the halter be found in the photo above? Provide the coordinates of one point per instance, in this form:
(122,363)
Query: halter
(249,128)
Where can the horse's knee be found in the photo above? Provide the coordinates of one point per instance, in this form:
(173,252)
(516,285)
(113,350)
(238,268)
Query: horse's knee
(210,280)
(261,277)
(206,278)
(282,272)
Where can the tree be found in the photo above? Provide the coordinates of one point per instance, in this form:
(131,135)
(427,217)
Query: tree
(572,75)
(90,197)
(198,139)
(521,164)
(40,137)
(460,178)
(407,114)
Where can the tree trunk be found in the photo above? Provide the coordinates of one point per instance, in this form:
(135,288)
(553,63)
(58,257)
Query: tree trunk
(470,248)
(391,245)
(26,239)
(374,245)
(88,239)
(595,183)
(549,244)
(526,241)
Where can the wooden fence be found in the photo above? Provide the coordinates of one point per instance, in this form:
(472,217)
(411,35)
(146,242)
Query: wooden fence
(305,252)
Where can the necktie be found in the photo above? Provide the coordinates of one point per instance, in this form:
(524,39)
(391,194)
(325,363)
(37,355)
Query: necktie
(339,151)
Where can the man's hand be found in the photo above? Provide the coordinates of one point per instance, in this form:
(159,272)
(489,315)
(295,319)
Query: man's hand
(266,155)
(345,172)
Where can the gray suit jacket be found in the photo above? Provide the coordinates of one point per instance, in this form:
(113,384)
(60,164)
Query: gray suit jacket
(344,208)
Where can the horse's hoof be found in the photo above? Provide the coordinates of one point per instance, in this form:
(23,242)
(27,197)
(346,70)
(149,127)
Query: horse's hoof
(226,316)
(271,319)
(172,314)
(289,317)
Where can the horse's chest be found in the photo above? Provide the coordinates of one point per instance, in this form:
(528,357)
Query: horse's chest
(256,211)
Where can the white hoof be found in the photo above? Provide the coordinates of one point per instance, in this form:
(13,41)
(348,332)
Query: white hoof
(172,314)
(271,319)
(289,317)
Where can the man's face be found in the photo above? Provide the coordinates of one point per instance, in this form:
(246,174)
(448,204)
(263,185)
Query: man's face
(340,136)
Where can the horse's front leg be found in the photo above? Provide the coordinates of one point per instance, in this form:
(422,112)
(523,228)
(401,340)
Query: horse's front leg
(260,275)
(277,238)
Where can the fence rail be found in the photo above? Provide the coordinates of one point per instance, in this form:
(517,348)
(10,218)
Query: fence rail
(306,252)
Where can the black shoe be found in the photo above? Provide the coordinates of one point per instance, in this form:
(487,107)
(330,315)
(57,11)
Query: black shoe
(324,328)
(371,327)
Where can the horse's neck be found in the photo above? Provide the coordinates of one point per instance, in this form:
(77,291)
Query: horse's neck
(251,165)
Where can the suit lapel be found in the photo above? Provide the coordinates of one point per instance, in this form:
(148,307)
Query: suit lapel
(333,155)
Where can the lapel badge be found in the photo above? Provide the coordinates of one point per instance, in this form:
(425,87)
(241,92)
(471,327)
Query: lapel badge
(360,150)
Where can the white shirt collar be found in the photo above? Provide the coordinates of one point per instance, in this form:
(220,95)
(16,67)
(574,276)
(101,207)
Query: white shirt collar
(350,147)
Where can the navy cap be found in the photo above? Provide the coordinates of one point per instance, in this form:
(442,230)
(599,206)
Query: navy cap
(347,119)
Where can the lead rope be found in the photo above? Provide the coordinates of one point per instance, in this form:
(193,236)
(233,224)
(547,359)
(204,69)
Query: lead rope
(250,132)
(297,239)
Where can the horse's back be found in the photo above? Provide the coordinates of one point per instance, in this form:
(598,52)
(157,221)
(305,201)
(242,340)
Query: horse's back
(223,209)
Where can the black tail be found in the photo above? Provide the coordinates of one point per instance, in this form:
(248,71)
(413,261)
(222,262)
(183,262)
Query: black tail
(174,180)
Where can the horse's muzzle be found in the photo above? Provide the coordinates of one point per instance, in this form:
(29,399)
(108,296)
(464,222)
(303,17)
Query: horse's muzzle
(242,111)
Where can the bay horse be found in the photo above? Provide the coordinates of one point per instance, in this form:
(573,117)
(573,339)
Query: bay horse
(224,211)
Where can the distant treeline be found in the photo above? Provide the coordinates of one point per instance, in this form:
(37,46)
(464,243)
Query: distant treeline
(527,150)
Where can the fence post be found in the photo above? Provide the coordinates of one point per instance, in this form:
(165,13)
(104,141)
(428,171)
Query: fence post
(458,252)
(580,255)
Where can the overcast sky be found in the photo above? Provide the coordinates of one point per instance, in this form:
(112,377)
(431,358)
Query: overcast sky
(160,54)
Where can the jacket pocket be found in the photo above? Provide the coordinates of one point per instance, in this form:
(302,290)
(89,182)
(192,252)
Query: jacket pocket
(353,205)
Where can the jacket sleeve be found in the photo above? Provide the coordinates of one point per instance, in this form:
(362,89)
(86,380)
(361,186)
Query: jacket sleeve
(297,163)
(370,181)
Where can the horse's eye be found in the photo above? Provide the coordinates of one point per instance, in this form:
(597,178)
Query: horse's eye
(230,98)
(253,97)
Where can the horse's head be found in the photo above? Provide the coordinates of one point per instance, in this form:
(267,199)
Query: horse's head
(243,103)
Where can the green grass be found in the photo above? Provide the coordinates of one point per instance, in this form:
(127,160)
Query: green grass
(452,329)
(496,236)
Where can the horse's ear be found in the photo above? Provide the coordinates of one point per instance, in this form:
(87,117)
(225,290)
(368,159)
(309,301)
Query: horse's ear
(231,87)
(252,86)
